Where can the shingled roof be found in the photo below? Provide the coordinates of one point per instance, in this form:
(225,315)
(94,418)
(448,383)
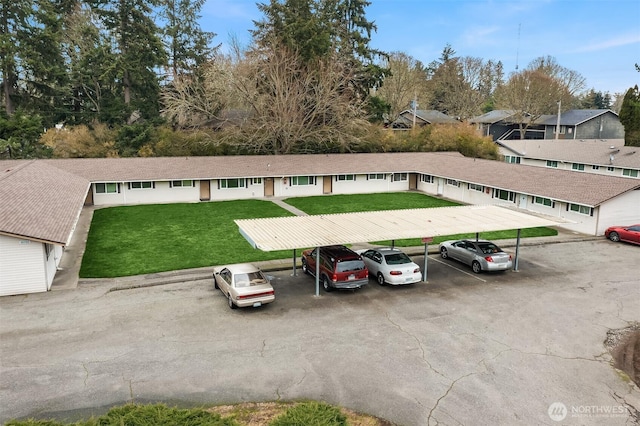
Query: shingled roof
(575,117)
(40,201)
(611,152)
(562,185)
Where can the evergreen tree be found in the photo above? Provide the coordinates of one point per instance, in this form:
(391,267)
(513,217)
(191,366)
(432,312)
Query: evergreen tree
(630,116)
(186,44)
(138,53)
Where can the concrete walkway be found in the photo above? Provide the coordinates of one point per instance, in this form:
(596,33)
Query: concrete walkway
(69,269)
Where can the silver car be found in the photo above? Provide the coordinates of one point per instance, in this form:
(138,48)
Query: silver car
(481,255)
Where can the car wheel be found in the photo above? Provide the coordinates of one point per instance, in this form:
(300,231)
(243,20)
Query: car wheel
(380,278)
(231,304)
(444,253)
(305,268)
(614,236)
(475,266)
(326,285)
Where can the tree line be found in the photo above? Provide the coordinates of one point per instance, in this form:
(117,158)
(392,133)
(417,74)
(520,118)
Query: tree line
(141,77)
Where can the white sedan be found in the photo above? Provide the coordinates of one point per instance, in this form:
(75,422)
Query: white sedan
(244,285)
(390,266)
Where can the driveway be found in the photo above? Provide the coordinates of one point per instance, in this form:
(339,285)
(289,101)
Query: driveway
(513,348)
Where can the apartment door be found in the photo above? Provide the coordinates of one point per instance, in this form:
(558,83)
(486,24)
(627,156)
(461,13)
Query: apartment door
(205,190)
(268,187)
(327,187)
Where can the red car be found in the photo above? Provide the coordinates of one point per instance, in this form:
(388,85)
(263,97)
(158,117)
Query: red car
(630,234)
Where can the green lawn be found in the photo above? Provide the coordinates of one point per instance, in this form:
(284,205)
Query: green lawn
(325,204)
(143,239)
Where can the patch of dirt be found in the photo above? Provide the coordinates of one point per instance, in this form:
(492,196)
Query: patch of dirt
(261,413)
(624,345)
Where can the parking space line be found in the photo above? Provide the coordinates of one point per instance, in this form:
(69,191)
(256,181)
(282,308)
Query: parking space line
(458,269)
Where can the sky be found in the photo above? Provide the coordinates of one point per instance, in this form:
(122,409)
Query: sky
(600,39)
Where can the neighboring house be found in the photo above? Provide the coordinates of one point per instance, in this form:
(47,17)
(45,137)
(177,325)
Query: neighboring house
(41,200)
(584,124)
(574,124)
(421,118)
(606,157)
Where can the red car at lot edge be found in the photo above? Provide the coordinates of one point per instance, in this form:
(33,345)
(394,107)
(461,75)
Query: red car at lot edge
(630,234)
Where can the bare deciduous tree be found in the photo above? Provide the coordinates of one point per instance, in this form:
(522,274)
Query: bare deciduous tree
(530,94)
(296,106)
(406,83)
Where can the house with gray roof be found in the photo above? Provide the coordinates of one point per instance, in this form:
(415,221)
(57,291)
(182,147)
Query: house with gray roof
(41,200)
(421,117)
(606,157)
(579,124)
(574,124)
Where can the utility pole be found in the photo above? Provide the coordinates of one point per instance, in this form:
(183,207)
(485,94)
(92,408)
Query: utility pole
(415,107)
(558,122)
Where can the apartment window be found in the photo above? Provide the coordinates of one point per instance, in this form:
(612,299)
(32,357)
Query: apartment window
(107,188)
(181,183)
(544,201)
(504,195)
(232,183)
(512,159)
(141,185)
(475,187)
(345,177)
(376,176)
(256,181)
(629,172)
(577,166)
(303,180)
(551,163)
(453,182)
(594,167)
(426,178)
(398,177)
(611,169)
(563,129)
(578,208)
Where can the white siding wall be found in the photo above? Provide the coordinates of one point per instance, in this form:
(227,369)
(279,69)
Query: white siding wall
(51,264)
(622,210)
(284,188)
(108,199)
(22,266)
(361,185)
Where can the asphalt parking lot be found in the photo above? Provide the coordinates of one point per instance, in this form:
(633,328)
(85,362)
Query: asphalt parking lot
(461,349)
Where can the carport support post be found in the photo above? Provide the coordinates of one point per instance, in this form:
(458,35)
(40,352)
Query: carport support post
(317,271)
(426,253)
(515,262)
(294,263)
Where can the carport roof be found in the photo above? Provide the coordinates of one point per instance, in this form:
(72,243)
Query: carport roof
(287,233)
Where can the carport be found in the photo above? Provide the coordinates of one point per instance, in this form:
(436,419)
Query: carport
(299,232)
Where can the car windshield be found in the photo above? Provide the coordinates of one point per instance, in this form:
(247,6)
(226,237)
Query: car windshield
(397,259)
(489,248)
(350,265)
(249,278)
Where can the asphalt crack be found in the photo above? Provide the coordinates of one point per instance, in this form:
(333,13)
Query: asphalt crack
(420,346)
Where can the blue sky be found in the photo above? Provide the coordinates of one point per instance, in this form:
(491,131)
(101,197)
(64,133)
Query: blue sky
(600,39)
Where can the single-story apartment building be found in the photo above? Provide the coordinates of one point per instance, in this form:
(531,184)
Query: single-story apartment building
(601,156)
(41,200)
